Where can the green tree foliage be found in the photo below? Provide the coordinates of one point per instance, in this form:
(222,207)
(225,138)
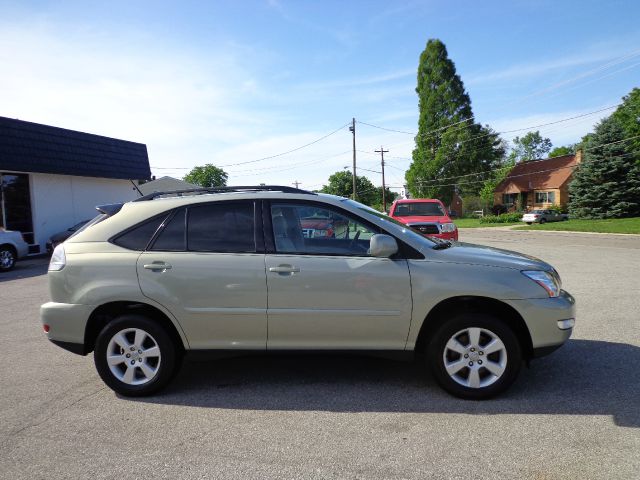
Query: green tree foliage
(628,114)
(207,176)
(607,182)
(341,183)
(495,177)
(530,147)
(560,151)
(449,143)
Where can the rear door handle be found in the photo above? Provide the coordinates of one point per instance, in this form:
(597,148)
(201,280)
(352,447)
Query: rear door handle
(157,266)
(284,269)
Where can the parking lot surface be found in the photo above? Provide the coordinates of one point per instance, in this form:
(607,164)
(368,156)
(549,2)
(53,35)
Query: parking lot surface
(574,414)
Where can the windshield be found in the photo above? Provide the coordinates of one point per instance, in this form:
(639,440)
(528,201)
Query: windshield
(418,209)
(399,229)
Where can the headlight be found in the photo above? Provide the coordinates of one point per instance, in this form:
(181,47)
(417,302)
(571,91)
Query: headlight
(58,259)
(546,280)
(447,227)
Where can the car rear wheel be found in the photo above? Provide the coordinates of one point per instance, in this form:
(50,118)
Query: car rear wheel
(475,356)
(7,259)
(542,220)
(135,356)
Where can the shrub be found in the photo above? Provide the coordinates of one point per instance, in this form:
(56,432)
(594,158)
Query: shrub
(504,218)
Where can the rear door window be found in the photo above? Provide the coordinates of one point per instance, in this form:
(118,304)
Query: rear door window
(221,227)
(173,236)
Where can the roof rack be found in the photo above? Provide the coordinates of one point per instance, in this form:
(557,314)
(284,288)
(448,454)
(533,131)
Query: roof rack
(203,191)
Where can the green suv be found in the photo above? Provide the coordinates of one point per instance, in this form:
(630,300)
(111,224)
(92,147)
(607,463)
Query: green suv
(235,270)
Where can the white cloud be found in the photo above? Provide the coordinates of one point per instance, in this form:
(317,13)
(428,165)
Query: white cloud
(129,87)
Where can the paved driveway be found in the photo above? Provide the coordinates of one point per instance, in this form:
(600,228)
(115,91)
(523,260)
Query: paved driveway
(574,414)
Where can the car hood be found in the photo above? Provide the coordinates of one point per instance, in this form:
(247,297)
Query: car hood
(424,219)
(461,252)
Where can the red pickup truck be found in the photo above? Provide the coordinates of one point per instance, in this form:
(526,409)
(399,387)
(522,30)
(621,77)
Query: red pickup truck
(427,216)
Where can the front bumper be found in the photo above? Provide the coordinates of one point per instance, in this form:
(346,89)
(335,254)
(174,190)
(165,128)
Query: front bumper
(445,236)
(66,324)
(547,320)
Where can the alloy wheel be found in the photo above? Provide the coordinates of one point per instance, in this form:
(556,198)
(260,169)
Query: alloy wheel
(133,356)
(475,357)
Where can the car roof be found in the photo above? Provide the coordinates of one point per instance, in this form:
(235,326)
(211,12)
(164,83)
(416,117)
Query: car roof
(418,200)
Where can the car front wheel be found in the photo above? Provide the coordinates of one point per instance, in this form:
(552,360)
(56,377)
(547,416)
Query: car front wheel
(7,259)
(475,356)
(135,356)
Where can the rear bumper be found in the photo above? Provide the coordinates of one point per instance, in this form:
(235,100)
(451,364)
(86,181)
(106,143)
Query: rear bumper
(66,324)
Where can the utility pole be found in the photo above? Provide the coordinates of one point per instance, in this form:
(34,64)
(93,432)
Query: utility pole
(296,183)
(382,151)
(352,129)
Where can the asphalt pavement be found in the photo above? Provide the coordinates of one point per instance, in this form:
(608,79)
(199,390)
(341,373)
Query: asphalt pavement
(574,414)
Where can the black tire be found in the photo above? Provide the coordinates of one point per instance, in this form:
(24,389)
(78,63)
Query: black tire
(542,220)
(165,365)
(529,223)
(437,351)
(7,259)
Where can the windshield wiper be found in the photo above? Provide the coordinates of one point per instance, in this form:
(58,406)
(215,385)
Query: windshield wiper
(441,245)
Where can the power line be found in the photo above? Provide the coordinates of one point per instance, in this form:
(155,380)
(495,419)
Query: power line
(288,151)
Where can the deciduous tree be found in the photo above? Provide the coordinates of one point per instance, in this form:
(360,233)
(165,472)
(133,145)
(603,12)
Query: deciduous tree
(207,176)
(530,147)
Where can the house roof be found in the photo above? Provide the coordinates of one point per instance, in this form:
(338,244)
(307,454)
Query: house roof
(538,175)
(165,184)
(32,147)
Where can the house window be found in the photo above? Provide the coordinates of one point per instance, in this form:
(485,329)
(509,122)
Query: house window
(509,198)
(545,197)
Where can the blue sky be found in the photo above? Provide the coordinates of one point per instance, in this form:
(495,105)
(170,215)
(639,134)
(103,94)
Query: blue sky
(232,82)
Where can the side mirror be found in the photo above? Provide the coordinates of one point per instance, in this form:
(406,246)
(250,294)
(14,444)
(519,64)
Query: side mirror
(382,246)
(452,214)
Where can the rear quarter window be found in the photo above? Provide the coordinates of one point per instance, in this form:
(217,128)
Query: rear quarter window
(138,237)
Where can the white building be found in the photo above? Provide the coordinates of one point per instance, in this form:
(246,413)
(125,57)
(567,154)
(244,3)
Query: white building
(52,178)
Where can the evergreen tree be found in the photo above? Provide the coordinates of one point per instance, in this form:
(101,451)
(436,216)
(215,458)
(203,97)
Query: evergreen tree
(629,116)
(607,182)
(449,143)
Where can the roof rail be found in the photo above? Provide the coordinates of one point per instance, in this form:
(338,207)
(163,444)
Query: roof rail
(203,191)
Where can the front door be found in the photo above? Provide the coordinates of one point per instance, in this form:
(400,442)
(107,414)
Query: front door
(325,291)
(204,268)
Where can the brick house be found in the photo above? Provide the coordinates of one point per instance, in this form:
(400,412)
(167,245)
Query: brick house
(537,183)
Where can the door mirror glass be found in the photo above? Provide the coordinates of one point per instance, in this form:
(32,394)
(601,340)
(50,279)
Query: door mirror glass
(382,246)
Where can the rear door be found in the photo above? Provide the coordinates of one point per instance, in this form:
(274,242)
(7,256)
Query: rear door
(325,291)
(207,267)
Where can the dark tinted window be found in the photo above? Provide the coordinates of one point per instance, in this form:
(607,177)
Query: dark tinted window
(172,237)
(222,227)
(138,237)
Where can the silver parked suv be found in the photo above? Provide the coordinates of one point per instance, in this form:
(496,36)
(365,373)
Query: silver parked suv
(272,269)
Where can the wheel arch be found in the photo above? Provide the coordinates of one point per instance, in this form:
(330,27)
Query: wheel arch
(11,247)
(103,314)
(474,304)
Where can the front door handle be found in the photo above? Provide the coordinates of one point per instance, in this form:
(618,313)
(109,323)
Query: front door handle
(284,269)
(157,266)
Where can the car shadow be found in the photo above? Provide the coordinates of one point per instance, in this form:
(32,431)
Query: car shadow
(584,377)
(31,267)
